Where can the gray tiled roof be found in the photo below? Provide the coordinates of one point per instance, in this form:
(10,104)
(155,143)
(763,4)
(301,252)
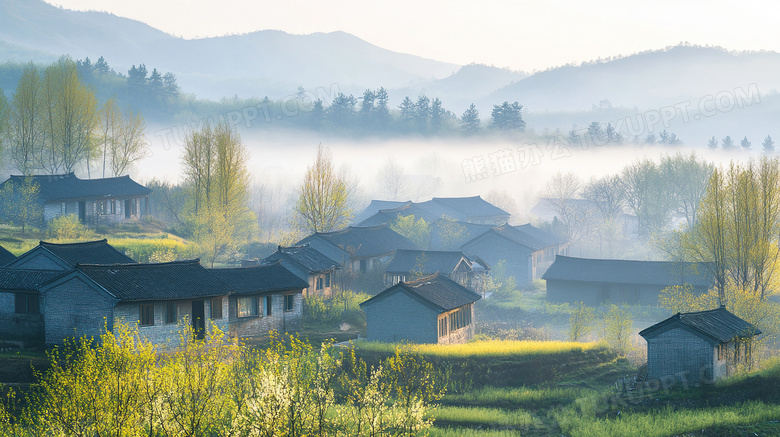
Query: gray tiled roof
(68,186)
(438,290)
(426,261)
(374,207)
(159,281)
(474,206)
(261,279)
(718,324)
(89,252)
(27,280)
(364,241)
(524,235)
(6,256)
(306,257)
(667,273)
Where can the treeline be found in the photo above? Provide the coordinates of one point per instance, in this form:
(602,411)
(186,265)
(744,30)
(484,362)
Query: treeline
(655,194)
(767,146)
(53,124)
(123,386)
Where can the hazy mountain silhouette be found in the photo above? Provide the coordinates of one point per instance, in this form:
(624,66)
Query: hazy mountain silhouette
(261,63)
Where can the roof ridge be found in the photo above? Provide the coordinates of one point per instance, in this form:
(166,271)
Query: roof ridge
(277,262)
(82,243)
(140,265)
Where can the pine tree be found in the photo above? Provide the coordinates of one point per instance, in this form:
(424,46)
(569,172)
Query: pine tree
(768,145)
(745,144)
(728,143)
(712,143)
(469,122)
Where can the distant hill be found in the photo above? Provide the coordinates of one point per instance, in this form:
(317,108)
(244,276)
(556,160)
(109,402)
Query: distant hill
(256,64)
(646,80)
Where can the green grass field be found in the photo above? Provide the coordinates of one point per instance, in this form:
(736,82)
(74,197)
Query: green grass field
(579,397)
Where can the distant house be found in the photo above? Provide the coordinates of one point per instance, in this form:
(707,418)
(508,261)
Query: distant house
(526,251)
(54,256)
(267,297)
(467,209)
(698,347)
(21,318)
(358,249)
(374,207)
(94,201)
(156,296)
(6,256)
(432,309)
(316,269)
(409,264)
(596,281)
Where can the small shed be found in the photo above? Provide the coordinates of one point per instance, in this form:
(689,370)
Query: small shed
(433,309)
(697,347)
(310,265)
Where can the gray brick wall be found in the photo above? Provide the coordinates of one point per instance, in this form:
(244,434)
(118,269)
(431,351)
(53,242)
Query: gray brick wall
(38,259)
(260,325)
(400,317)
(679,355)
(24,327)
(74,309)
(162,333)
(493,249)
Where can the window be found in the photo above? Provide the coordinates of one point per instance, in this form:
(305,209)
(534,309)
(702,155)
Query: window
(327,280)
(101,206)
(147,314)
(289,302)
(268,301)
(247,306)
(27,303)
(113,206)
(319,283)
(171,315)
(363,265)
(443,327)
(216,308)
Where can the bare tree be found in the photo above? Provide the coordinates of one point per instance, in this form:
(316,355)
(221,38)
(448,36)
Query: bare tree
(130,144)
(606,194)
(323,203)
(561,194)
(24,119)
(687,178)
(392,179)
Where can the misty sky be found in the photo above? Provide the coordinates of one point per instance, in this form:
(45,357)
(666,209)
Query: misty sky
(522,35)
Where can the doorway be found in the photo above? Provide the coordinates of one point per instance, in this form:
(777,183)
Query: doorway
(199,319)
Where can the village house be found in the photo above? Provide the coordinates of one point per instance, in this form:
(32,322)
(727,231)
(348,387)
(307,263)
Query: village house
(21,318)
(156,296)
(94,201)
(265,298)
(432,309)
(316,269)
(65,256)
(698,347)
(527,252)
(598,281)
(358,249)
(410,264)
(467,209)
(5,256)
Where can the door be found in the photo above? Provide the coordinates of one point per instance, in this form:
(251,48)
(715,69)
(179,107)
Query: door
(127,209)
(82,211)
(199,319)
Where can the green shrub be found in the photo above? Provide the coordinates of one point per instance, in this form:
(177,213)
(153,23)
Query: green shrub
(67,227)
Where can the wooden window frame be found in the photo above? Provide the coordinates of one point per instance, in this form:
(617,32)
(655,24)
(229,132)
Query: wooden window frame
(216,308)
(252,311)
(171,313)
(320,282)
(27,303)
(269,300)
(289,302)
(146,314)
